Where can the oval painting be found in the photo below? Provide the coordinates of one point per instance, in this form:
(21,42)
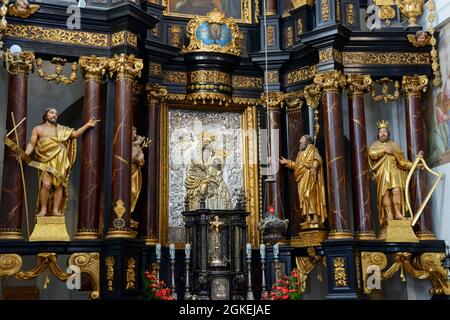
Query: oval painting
(214,33)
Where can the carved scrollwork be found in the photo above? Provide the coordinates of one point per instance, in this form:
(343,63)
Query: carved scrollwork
(57,76)
(89,262)
(10,264)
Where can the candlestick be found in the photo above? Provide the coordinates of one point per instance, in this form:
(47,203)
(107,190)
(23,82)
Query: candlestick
(249,250)
(158,251)
(276,251)
(172,251)
(187,250)
(262,250)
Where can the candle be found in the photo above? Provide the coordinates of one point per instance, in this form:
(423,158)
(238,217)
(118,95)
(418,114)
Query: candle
(276,251)
(262,250)
(172,251)
(158,251)
(249,250)
(187,250)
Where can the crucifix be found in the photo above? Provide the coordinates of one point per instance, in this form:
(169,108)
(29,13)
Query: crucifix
(216,261)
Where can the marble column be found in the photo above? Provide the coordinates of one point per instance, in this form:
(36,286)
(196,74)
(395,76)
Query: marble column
(331,84)
(363,218)
(149,221)
(413,87)
(273,200)
(93,70)
(12,201)
(271,7)
(126,69)
(295,130)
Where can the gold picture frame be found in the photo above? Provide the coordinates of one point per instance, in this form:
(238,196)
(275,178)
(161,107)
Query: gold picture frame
(246,11)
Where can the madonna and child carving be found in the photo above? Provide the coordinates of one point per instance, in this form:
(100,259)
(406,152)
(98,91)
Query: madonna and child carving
(308,174)
(204,179)
(55,149)
(390,169)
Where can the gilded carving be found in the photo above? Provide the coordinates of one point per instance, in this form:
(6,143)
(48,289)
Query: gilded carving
(155,69)
(216,20)
(331,80)
(272,77)
(299,27)
(387,13)
(300,3)
(270,36)
(210,76)
(246,101)
(415,85)
(131,274)
(110,262)
(123,37)
(338,10)
(313,94)
(22,9)
(174,76)
(306,264)
(324,6)
(326,54)
(21,64)
(175,35)
(302,74)
(385,95)
(411,9)
(257,11)
(359,84)
(351,14)
(389,58)
(247,82)
(57,35)
(125,67)
(89,263)
(57,76)
(156,91)
(273,99)
(93,67)
(290,36)
(45,260)
(340,272)
(10,264)
(369,260)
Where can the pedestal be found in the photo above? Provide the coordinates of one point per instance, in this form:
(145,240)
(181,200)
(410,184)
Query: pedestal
(397,231)
(50,229)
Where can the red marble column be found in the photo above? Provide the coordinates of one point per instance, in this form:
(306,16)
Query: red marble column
(93,70)
(330,83)
(363,218)
(273,200)
(295,130)
(149,222)
(12,201)
(126,69)
(414,86)
(271,7)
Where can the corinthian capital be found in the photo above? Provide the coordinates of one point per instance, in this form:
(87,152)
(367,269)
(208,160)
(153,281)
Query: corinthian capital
(414,85)
(359,84)
(330,80)
(19,64)
(93,67)
(274,99)
(156,92)
(125,67)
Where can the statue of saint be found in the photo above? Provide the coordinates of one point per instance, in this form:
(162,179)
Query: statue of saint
(308,174)
(137,161)
(204,181)
(55,150)
(390,169)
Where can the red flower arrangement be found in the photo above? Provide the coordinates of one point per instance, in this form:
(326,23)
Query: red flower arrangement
(287,288)
(155,289)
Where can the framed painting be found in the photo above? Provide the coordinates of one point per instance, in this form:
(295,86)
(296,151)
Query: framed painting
(240,10)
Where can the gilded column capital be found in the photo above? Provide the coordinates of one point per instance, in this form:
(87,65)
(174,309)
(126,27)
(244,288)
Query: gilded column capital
(19,64)
(294,100)
(414,85)
(313,94)
(156,92)
(125,66)
(93,67)
(273,99)
(330,80)
(359,84)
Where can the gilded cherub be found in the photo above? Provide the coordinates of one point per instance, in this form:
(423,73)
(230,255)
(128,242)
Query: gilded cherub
(22,9)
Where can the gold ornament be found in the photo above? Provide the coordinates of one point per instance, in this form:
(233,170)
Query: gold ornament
(22,63)
(125,67)
(383,124)
(57,76)
(385,95)
(93,67)
(22,9)
(411,9)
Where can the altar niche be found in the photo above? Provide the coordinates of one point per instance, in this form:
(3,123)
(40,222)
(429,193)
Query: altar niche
(228,137)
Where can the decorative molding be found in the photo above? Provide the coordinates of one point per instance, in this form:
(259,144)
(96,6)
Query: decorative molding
(110,262)
(328,54)
(331,80)
(388,58)
(175,39)
(351,14)
(82,38)
(93,67)
(21,64)
(131,274)
(10,264)
(155,69)
(125,67)
(302,74)
(174,76)
(272,77)
(414,85)
(89,263)
(359,84)
(247,82)
(299,27)
(270,36)
(340,272)
(209,76)
(290,36)
(325,10)
(123,37)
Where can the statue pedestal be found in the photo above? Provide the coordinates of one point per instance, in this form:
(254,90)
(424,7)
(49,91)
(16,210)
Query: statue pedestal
(50,229)
(309,238)
(397,231)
